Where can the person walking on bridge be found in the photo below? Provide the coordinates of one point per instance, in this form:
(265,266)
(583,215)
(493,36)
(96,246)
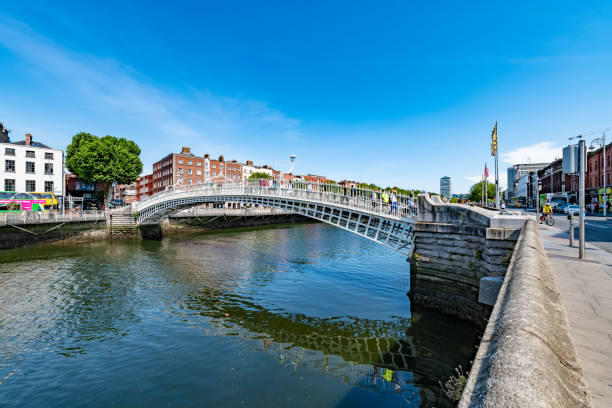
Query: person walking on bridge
(385,199)
(393,203)
(374,198)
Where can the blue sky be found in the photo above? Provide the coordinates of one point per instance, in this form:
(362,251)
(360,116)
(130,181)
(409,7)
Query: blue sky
(396,93)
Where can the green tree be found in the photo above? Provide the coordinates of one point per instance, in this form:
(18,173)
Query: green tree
(259,175)
(476,191)
(106,159)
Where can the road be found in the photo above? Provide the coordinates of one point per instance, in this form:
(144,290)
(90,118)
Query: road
(598,230)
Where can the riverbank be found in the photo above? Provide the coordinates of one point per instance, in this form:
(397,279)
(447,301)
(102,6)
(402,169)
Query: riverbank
(62,231)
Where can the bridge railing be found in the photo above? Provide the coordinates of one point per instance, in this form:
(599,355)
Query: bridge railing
(39,217)
(395,205)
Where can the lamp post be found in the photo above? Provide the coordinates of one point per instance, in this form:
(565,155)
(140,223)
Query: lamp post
(602,141)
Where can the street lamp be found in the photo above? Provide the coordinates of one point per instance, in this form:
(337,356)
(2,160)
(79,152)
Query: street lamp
(602,141)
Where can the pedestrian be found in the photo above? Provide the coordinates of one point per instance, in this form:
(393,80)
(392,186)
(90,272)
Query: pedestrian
(344,194)
(393,202)
(385,199)
(374,198)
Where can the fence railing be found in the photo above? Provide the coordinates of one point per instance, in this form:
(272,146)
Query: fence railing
(381,202)
(39,217)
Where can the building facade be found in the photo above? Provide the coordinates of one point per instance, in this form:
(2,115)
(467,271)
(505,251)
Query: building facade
(144,187)
(446,188)
(30,166)
(516,172)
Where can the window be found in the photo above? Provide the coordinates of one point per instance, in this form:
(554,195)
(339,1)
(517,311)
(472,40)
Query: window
(48,168)
(180,161)
(199,172)
(180,170)
(30,167)
(9,152)
(189,171)
(9,184)
(9,166)
(189,181)
(48,186)
(49,156)
(30,153)
(189,162)
(30,185)
(199,181)
(199,164)
(214,174)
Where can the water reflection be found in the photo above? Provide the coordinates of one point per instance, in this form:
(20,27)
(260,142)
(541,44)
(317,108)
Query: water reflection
(299,316)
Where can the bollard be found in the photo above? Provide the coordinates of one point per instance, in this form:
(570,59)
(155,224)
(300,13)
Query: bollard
(570,217)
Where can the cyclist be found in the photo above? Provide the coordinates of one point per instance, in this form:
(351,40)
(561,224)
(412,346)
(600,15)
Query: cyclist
(546,212)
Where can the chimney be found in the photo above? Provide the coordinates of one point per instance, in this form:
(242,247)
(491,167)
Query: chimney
(234,161)
(221,158)
(28,140)
(249,162)
(207,156)
(185,150)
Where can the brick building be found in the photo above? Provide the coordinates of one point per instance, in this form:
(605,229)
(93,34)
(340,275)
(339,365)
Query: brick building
(144,187)
(182,168)
(125,192)
(595,170)
(554,180)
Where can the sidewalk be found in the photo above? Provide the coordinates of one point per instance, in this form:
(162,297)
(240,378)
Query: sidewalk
(586,293)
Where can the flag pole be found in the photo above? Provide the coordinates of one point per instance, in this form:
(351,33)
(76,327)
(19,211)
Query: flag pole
(496,172)
(486,182)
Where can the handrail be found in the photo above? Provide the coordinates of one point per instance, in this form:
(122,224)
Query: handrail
(366,200)
(40,217)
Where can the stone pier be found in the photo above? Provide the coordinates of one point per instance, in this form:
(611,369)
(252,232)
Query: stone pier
(460,258)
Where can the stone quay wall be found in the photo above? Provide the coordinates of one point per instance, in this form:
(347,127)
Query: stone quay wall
(527,357)
(458,248)
(14,236)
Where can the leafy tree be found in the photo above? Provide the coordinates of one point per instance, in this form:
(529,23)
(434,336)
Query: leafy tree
(454,200)
(476,191)
(259,175)
(106,159)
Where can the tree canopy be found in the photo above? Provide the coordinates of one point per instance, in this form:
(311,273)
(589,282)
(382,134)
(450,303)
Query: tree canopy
(106,159)
(476,191)
(259,175)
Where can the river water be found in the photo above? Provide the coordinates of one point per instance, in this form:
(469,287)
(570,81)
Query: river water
(293,316)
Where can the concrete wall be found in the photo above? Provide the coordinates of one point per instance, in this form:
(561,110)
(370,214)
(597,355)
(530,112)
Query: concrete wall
(527,357)
(456,246)
(29,234)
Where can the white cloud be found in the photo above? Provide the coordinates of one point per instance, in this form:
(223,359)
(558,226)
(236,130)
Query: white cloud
(205,121)
(473,179)
(543,152)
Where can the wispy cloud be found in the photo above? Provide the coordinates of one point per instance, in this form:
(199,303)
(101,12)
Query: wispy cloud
(543,152)
(194,116)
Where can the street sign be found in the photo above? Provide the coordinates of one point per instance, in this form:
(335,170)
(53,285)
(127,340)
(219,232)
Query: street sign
(570,159)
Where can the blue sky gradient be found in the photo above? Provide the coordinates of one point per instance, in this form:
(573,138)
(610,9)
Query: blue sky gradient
(395,93)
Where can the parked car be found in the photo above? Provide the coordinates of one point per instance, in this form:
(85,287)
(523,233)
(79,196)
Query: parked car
(572,209)
(561,207)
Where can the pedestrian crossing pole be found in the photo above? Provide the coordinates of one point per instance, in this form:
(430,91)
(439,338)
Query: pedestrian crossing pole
(495,152)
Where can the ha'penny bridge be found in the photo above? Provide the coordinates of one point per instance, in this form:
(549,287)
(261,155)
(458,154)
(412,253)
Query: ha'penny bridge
(353,209)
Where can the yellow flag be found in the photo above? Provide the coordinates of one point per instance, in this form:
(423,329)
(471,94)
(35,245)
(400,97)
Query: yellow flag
(494,141)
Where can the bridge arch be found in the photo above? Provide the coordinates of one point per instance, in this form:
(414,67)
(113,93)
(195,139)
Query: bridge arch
(358,212)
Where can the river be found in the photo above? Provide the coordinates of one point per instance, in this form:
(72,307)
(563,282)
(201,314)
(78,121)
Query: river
(303,315)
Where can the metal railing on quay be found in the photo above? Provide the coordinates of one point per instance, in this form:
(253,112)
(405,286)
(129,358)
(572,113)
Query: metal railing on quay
(379,202)
(39,217)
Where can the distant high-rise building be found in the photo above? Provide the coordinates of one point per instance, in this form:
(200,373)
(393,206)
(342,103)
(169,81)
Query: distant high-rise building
(446,189)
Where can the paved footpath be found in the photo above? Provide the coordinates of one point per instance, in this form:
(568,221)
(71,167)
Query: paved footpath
(586,293)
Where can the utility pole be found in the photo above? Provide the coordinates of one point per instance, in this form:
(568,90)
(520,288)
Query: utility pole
(605,196)
(537,188)
(581,182)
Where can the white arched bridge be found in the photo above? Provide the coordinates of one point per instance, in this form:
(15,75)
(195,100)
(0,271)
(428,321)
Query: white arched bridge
(361,211)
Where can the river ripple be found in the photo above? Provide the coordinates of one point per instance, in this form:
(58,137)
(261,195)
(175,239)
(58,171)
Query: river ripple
(304,315)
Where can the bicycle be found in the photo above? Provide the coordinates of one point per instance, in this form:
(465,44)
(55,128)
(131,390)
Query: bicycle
(548,219)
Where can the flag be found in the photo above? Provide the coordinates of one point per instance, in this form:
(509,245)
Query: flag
(486,173)
(494,141)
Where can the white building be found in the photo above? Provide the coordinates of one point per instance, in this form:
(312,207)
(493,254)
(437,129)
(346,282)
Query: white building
(29,166)
(446,189)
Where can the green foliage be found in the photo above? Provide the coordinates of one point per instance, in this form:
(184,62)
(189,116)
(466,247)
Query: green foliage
(454,200)
(259,175)
(105,159)
(454,386)
(476,191)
